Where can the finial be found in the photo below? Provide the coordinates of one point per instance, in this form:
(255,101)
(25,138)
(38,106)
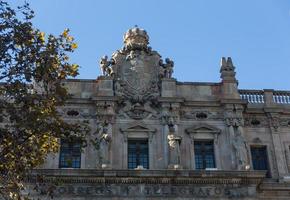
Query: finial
(227,69)
(230,62)
(223,61)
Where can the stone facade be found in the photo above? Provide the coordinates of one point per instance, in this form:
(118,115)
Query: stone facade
(137,98)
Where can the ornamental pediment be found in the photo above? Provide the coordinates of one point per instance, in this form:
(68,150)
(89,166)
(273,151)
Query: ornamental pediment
(202,128)
(137,127)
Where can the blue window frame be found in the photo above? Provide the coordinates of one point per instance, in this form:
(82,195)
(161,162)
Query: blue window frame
(260,158)
(70,154)
(138,154)
(204,154)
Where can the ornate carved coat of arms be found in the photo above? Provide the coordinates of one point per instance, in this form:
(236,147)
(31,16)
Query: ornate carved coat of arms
(137,71)
(136,76)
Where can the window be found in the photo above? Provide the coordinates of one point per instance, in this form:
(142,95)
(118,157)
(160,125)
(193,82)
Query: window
(260,158)
(204,154)
(70,154)
(138,154)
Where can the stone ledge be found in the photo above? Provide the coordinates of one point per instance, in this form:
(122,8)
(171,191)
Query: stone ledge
(275,186)
(149,176)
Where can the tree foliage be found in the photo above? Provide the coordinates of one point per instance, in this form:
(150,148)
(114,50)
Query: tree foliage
(32,68)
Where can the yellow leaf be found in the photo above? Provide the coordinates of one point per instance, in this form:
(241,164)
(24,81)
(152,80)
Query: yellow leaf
(74,46)
(65,33)
(75,67)
(41,36)
(70,38)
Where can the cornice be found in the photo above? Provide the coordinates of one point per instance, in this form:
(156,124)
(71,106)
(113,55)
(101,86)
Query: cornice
(148,176)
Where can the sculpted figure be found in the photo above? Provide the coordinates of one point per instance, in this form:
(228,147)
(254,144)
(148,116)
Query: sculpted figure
(240,147)
(105,66)
(168,68)
(174,144)
(105,144)
(161,69)
(174,149)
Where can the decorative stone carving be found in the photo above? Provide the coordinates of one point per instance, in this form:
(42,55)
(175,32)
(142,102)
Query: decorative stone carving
(105,139)
(285,122)
(136,74)
(252,121)
(241,153)
(256,120)
(194,114)
(174,150)
(105,111)
(137,110)
(138,128)
(202,128)
(105,66)
(235,122)
(170,114)
(169,119)
(274,121)
(137,68)
(168,68)
(136,38)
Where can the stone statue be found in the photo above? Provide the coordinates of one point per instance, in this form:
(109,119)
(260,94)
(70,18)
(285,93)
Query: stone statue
(105,66)
(168,68)
(173,144)
(105,144)
(161,69)
(174,150)
(240,148)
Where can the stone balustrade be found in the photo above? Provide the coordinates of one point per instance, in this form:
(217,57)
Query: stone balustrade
(253,96)
(266,96)
(281,97)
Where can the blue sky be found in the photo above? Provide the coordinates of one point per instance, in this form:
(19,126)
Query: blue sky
(193,33)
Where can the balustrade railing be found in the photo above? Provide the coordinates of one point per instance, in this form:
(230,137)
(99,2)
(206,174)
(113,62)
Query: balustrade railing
(259,96)
(253,96)
(281,97)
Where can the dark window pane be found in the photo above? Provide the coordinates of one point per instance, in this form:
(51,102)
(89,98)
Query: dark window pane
(70,155)
(260,158)
(204,154)
(138,154)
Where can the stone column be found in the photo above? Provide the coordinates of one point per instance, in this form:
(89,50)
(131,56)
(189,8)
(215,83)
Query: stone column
(280,159)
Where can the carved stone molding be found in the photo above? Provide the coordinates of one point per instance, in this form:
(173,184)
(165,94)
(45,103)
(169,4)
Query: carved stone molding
(194,114)
(149,176)
(285,122)
(137,111)
(274,121)
(138,129)
(203,128)
(256,121)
